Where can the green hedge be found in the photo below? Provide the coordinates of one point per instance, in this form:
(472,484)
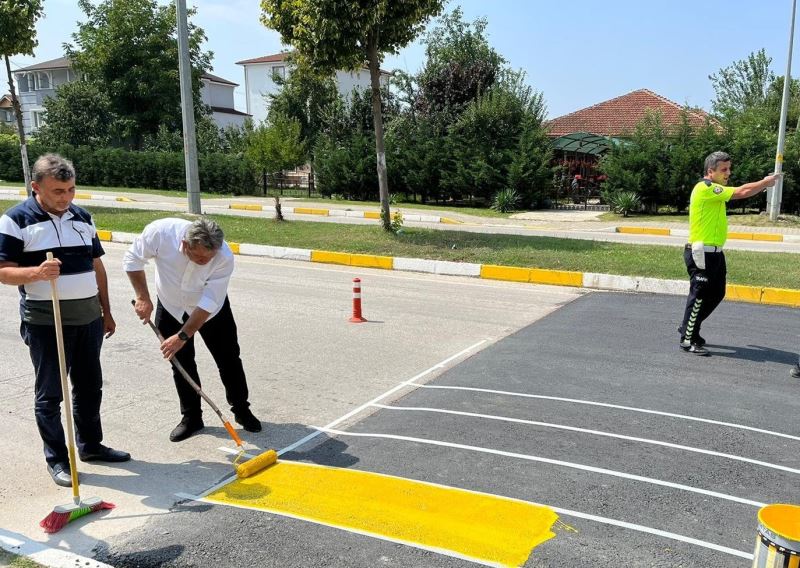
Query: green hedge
(114,167)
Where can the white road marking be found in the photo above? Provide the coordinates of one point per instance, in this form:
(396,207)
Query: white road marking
(594,432)
(528,457)
(618,407)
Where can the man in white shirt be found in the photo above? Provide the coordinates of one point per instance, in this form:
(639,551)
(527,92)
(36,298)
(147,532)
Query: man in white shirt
(193,267)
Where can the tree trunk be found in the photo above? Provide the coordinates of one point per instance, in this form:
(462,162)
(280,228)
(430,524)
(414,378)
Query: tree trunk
(23,148)
(377,119)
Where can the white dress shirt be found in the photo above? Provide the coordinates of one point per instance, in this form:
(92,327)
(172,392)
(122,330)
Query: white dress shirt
(181,285)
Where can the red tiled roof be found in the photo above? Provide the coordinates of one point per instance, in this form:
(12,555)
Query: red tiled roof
(280,57)
(218,79)
(619,116)
(275,57)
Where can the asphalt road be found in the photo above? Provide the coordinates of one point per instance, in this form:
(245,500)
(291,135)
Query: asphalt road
(592,410)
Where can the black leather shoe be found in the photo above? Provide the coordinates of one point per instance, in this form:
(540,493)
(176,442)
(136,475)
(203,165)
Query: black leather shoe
(185,429)
(60,473)
(695,348)
(795,372)
(246,419)
(697,339)
(105,454)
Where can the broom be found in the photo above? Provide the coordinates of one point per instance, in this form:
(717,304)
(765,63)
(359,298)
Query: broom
(63,514)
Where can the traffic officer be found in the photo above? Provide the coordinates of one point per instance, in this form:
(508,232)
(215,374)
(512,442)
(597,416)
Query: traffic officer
(708,231)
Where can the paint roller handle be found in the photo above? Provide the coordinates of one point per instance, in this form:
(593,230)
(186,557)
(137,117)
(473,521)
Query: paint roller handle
(183,372)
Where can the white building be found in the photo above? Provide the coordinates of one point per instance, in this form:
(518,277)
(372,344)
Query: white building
(259,83)
(38,82)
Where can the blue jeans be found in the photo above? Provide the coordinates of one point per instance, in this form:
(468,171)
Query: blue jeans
(82,345)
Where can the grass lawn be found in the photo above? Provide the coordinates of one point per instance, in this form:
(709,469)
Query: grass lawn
(344,203)
(751,268)
(15,561)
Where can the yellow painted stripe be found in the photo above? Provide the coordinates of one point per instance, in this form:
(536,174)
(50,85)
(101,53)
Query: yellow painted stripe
(741,236)
(739,293)
(234,247)
(126,199)
(310,211)
(103,235)
(505,273)
(330,257)
(23,192)
(372,261)
(246,206)
(781,297)
(83,196)
(558,277)
(774,237)
(449,221)
(478,526)
(794,562)
(771,553)
(372,215)
(644,230)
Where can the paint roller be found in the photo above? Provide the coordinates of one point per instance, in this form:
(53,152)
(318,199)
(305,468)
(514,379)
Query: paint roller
(244,469)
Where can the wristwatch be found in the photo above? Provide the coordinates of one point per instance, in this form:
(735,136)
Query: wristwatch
(182,336)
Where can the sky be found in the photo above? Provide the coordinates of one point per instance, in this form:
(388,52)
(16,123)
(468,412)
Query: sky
(577,52)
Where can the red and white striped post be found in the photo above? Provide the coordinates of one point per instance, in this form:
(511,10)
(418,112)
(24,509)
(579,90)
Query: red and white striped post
(357,317)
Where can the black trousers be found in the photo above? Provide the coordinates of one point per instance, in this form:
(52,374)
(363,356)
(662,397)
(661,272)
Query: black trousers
(82,345)
(704,297)
(219,335)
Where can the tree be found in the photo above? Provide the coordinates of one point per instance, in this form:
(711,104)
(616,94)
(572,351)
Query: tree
(275,146)
(336,34)
(18,22)
(129,50)
(80,114)
(305,96)
(743,84)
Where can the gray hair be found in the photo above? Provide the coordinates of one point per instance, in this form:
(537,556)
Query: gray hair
(54,166)
(204,232)
(713,160)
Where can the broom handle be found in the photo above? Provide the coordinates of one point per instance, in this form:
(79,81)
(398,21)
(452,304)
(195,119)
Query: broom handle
(65,393)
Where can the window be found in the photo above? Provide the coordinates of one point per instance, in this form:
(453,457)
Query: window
(279,71)
(38,119)
(22,82)
(42,81)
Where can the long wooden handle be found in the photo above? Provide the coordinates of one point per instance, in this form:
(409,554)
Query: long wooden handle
(65,393)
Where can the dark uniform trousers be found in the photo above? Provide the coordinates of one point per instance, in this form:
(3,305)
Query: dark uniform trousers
(219,335)
(706,290)
(82,345)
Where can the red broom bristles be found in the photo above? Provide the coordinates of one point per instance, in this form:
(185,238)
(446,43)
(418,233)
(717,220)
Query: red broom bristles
(56,521)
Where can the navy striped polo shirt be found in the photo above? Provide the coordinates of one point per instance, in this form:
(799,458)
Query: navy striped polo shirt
(27,233)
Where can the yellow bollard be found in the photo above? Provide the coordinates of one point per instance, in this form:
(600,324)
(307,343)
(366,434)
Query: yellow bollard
(778,540)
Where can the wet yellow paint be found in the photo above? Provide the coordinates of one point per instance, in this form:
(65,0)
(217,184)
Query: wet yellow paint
(478,526)
(782,519)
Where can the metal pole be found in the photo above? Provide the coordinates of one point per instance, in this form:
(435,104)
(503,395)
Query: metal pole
(187,110)
(775,195)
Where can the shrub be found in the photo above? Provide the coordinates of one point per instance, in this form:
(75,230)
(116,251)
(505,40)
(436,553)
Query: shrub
(624,202)
(505,200)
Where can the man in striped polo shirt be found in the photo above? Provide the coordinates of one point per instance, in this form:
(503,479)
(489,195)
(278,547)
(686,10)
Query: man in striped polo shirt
(48,221)
(708,231)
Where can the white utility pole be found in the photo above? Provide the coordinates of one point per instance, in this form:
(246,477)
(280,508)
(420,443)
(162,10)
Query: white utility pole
(775,194)
(187,110)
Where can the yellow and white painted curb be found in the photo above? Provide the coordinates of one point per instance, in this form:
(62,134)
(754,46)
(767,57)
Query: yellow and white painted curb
(92,196)
(342,213)
(734,235)
(590,280)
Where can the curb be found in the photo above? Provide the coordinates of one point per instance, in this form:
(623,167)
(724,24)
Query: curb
(23,193)
(590,280)
(735,235)
(343,213)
